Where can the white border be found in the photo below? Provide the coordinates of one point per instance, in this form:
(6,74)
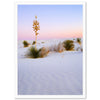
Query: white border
(84,49)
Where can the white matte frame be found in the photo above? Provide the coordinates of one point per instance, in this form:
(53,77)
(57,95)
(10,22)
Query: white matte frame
(84,49)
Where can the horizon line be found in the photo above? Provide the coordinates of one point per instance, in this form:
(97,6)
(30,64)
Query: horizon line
(51,38)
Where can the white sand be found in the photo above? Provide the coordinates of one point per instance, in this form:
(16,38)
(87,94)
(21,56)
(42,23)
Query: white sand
(56,74)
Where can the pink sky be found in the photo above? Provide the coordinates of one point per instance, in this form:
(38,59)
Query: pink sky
(56,21)
(70,32)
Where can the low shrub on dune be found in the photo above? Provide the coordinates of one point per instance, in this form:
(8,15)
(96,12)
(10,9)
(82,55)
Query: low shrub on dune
(78,40)
(68,45)
(79,49)
(25,43)
(37,53)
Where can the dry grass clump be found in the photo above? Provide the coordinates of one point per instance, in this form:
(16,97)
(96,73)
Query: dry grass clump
(52,48)
(37,53)
(68,45)
(43,52)
(57,48)
(60,47)
(79,49)
(25,43)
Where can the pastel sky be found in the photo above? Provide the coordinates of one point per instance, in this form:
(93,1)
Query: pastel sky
(56,21)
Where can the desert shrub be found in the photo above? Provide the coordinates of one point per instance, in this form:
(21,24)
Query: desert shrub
(43,52)
(68,44)
(25,43)
(52,48)
(57,48)
(78,40)
(37,53)
(33,42)
(33,52)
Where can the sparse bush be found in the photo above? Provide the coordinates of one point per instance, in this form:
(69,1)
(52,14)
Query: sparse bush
(79,49)
(25,43)
(53,48)
(33,42)
(69,45)
(57,48)
(60,47)
(78,40)
(43,52)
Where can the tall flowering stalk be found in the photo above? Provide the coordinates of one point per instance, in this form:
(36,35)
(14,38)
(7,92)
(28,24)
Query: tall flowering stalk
(36,28)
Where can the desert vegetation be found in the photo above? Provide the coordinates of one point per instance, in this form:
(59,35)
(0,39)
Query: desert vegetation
(33,52)
(36,28)
(43,52)
(78,40)
(37,53)
(33,42)
(25,43)
(57,48)
(69,45)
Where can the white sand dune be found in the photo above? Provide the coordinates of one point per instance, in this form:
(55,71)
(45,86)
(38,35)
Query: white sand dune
(56,74)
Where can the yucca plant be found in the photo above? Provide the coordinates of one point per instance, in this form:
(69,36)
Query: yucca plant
(25,43)
(37,53)
(69,45)
(36,27)
(33,52)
